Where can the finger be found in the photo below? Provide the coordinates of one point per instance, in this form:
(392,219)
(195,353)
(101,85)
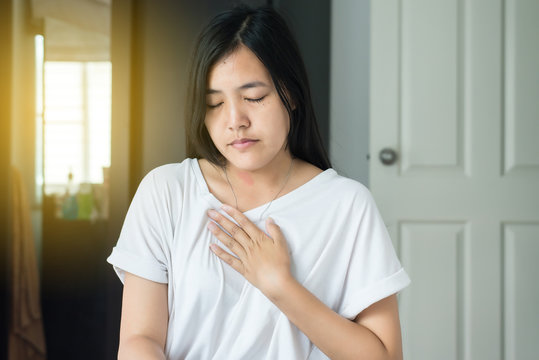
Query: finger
(274,230)
(243,221)
(233,261)
(234,230)
(228,241)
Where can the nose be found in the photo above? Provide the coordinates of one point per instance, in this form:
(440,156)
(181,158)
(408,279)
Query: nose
(237,118)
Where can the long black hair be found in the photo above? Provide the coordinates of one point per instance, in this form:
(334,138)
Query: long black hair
(267,35)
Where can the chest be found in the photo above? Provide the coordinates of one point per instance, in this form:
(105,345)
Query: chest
(204,282)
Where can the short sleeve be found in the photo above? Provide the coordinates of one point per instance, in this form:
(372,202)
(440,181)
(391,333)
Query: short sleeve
(374,271)
(142,247)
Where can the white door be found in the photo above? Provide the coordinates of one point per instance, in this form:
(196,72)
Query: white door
(455,94)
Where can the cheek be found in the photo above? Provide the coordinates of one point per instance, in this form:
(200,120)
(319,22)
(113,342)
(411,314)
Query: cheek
(285,123)
(280,133)
(212,131)
(278,116)
(210,124)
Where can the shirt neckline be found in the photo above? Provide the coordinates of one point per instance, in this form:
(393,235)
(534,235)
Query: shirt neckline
(276,204)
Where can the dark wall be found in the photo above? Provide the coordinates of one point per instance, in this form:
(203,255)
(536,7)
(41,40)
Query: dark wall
(310,23)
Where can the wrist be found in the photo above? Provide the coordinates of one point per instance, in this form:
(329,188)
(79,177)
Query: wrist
(280,287)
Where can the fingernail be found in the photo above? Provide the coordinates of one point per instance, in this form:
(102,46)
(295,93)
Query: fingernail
(225,207)
(211,225)
(270,220)
(212,213)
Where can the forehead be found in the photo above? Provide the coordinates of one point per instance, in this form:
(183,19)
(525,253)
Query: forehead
(237,68)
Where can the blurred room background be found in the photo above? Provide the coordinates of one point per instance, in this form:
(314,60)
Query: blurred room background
(434,105)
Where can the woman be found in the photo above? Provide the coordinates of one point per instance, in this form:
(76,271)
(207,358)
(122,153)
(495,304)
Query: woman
(255,248)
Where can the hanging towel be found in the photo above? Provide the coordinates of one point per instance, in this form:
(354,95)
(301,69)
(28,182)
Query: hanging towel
(26,335)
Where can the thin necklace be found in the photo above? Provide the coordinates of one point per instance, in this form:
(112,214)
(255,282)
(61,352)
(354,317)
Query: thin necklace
(275,197)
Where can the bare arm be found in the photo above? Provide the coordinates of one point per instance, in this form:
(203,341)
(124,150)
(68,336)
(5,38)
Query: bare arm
(264,261)
(375,333)
(143,329)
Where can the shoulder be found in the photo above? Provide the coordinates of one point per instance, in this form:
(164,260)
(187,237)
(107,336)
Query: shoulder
(165,188)
(331,188)
(333,180)
(347,190)
(346,185)
(167,180)
(170,173)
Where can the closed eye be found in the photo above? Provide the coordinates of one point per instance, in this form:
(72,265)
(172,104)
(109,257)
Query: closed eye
(213,106)
(210,106)
(256,100)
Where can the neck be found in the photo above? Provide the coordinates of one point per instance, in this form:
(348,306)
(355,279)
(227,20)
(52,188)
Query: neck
(251,188)
(271,176)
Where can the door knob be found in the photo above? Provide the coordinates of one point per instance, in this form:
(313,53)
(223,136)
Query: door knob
(388,156)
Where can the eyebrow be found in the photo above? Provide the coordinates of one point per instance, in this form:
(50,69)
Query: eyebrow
(248,85)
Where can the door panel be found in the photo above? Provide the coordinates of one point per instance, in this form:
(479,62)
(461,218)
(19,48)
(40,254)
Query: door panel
(437,246)
(521,289)
(521,84)
(430,51)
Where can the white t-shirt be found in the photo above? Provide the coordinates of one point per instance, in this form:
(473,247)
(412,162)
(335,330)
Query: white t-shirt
(340,251)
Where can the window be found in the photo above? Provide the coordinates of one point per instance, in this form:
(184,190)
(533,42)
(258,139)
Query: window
(76,124)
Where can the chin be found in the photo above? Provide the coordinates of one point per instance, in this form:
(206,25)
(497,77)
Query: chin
(246,165)
(249,162)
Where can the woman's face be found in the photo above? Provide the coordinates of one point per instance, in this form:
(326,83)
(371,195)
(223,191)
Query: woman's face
(245,116)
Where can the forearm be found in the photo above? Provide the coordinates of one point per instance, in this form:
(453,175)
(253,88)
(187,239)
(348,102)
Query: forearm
(140,347)
(336,336)
(263,259)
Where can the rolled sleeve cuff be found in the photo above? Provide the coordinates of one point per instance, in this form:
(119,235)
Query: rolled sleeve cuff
(124,261)
(376,292)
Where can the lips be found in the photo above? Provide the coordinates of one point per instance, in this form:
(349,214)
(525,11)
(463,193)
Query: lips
(243,143)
